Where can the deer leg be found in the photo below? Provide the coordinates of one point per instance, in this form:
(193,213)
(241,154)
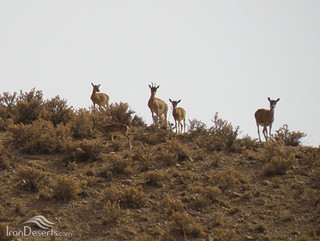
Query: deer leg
(175,126)
(184,125)
(270,130)
(259,132)
(265,133)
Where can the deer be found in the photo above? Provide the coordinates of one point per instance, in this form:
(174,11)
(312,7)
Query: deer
(115,129)
(158,108)
(101,99)
(265,118)
(178,114)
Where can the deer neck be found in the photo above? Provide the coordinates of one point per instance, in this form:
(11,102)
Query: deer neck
(271,112)
(93,95)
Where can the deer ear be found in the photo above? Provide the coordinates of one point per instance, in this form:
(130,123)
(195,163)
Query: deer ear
(178,101)
(170,100)
(278,99)
(99,85)
(158,86)
(269,98)
(92,84)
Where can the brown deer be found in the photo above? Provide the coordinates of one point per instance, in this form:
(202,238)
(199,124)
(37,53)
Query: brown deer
(178,114)
(265,118)
(116,129)
(158,108)
(101,99)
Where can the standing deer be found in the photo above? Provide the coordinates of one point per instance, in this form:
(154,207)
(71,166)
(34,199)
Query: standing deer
(265,118)
(178,114)
(101,99)
(158,107)
(116,129)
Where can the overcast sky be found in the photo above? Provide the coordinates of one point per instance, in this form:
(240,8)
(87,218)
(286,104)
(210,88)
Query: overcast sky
(223,56)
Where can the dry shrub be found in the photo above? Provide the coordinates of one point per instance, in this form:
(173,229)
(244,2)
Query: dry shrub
(20,207)
(29,106)
(173,204)
(308,155)
(220,137)
(5,158)
(118,165)
(183,224)
(146,159)
(223,234)
(184,177)
(290,138)
(224,132)
(112,211)
(278,165)
(82,125)
(182,153)
(156,178)
(31,177)
(7,108)
(66,188)
(197,128)
(88,150)
(113,194)
(129,197)
(211,193)
(40,137)
(133,197)
(57,111)
(230,178)
(154,135)
(121,113)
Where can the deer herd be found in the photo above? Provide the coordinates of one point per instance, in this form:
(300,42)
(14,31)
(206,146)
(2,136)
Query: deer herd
(159,112)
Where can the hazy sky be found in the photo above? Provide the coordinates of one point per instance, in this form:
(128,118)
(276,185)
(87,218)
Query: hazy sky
(216,56)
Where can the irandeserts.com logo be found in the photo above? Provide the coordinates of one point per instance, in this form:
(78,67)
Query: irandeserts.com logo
(44,228)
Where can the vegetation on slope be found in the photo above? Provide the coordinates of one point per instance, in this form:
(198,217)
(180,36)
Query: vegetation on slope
(207,184)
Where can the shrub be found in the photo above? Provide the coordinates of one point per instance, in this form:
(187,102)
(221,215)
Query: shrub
(40,137)
(118,165)
(5,158)
(173,204)
(155,178)
(82,125)
(129,197)
(290,138)
(29,106)
(57,111)
(278,165)
(121,113)
(7,108)
(230,178)
(223,234)
(112,211)
(133,197)
(183,224)
(197,128)
(223,133)
(31,177)
(88,150)
(66,188)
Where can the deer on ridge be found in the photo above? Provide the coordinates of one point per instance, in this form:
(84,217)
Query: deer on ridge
(179,114)
(265,118)
(158,108)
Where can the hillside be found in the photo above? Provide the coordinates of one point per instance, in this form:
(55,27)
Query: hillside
(206,184)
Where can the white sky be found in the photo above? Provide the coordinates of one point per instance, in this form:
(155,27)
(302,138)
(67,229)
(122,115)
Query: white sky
(217,56)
